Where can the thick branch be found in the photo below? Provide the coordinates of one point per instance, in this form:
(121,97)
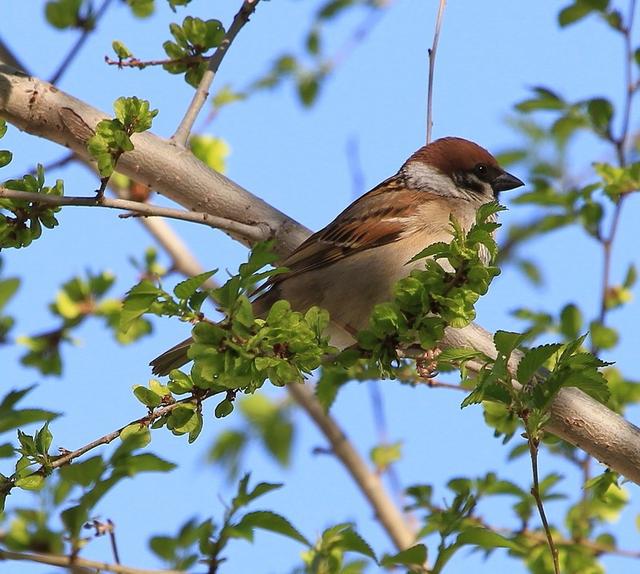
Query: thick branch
(42,110)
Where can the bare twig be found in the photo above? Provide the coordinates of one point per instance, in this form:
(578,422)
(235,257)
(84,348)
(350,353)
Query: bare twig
(630,85)
(75,49)
(112,540)
(202,92)
(141,64)
(79,565)
(432,65)
(359,35)
(535,492)
(620,144)
(138,209)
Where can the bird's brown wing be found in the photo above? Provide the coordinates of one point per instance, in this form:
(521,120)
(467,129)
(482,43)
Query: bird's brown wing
(380,216)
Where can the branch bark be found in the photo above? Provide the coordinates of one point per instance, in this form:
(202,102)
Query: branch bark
(78,565)
(40,109)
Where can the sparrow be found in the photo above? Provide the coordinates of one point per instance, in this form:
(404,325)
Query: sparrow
(353,263)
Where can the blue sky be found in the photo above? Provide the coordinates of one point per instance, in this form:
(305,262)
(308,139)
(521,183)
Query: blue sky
(490,53)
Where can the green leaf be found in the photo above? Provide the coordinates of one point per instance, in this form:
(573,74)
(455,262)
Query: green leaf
(385,455)
(63,13)
(266,520)
(5,157)
(629,279)
(136,435)
(414,556)
(506,342)
(223,408)
(30,482)
(600,112)
(485,538)
(8,288)
(570,321)
(145,462)
(137,302)
(83,473)
(146,396)
(534,359)
(211,151)
(188,287)
(603,337)
(121,50)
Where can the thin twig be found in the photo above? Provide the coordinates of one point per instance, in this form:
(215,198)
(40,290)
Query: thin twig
(535,492)
(432,65)
(630,85)
(75,49)
(358,36)
(78,564)
(141,64)
(112,539)
(249,232)
(146,421)
(202,92)
(620,144)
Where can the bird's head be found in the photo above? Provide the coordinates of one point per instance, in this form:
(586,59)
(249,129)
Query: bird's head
(458,168)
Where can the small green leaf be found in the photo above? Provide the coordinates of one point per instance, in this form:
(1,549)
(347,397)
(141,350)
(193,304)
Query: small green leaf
(188,287)
(414,556)
(506,342)
(534,359)
(385,455)
(31,482)
(136,435)
(272,522)
(485,538)
(5,157)
(146,396)
(223,409)
(83,473)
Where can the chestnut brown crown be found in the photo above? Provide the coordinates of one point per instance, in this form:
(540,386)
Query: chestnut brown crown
(470,166)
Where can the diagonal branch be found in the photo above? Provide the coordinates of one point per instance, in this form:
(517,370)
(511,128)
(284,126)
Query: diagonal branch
(40,109)
(202,92)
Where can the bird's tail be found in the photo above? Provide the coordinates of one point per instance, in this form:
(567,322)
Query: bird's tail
(174,358)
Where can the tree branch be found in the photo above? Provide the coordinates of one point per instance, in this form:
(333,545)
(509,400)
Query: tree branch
(78,565)
(432,66)
(253,233)
(40,109)
(202,93)
(87,29)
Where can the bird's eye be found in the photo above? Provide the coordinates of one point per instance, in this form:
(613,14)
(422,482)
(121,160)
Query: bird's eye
(480,170)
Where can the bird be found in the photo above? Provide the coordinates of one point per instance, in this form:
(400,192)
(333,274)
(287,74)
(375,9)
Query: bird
(352,264)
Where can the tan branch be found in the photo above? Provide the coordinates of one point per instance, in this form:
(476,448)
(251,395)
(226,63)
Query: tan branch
(78,565)
(40,109)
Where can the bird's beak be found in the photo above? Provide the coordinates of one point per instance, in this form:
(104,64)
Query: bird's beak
(505,181)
